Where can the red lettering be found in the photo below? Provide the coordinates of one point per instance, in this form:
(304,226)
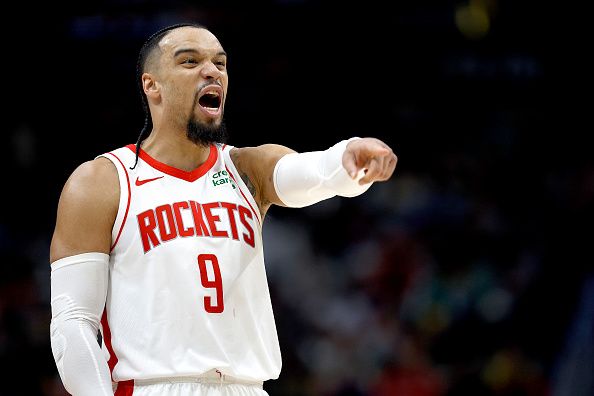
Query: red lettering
(147,224)
(201,228)
(169,232)
(249,237)
(212,219)
(230,208)
(170,222)
(177,207)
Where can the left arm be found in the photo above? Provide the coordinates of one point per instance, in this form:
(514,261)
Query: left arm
(255,166)
(278,175)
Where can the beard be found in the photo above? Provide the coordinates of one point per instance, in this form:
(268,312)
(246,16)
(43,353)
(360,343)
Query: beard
(204,134)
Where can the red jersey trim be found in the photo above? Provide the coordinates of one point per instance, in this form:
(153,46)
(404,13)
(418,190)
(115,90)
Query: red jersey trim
(113,359)
(125,388)
(244,197)
(175,172)
(127,205)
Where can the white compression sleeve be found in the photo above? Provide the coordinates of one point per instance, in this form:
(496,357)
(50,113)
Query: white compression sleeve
(302,179)
(78,292)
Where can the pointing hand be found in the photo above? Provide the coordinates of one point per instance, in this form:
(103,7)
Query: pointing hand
(373,156)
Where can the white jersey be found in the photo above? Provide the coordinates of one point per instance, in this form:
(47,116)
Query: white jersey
(187,285)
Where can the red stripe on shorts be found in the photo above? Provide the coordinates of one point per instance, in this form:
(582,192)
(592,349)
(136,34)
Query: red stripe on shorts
(125,388)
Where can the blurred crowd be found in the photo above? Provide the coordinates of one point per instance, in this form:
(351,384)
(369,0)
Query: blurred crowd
(420,290)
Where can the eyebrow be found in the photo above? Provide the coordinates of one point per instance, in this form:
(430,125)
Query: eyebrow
(184,50)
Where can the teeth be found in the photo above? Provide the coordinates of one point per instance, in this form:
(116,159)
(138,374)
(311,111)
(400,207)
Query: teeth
(216,94)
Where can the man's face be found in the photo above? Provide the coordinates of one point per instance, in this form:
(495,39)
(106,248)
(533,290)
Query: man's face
(193,73)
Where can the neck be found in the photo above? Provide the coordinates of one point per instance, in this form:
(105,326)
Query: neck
(175,149)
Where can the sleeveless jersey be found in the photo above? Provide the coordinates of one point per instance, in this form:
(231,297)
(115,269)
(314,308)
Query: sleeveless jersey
(187,285)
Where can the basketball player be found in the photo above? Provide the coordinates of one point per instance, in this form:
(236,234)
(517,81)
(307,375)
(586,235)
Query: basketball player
(158,245)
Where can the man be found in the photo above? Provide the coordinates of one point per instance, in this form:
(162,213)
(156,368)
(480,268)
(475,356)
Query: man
(158,245)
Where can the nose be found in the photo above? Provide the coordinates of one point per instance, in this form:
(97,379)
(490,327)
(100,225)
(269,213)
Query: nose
(210,70)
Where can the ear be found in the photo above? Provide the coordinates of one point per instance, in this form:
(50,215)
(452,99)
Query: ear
(150,86)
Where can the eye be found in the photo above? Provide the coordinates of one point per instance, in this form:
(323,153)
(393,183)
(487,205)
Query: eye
(221,64)
(189,61)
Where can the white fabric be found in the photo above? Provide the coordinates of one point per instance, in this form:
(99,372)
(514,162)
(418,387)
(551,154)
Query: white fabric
(194,389)
(211,383)
(302,179)
(210,377)
(169,312)
(78,290)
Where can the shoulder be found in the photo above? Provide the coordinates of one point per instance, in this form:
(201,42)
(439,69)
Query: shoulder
(97,176)
(87,210)
(255,166)
(98,167)
(257,163)
(93,187)
(258,155)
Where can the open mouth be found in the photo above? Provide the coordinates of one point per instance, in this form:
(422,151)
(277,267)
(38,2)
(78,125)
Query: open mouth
(210,99)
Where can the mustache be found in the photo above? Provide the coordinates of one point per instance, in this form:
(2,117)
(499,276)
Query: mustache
(209,82)
(201,86)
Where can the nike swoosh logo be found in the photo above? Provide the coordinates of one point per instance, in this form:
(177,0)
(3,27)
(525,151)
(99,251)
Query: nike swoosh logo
(141,182)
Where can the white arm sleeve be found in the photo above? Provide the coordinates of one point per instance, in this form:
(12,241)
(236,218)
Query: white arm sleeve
(302,179)
(78,292)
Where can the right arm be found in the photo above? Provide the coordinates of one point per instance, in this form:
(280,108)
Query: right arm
(79,256)
(87,210)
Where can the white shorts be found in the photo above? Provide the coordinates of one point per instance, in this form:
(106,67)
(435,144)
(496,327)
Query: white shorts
(205,385)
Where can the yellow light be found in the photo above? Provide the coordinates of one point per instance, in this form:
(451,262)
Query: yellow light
(473,20)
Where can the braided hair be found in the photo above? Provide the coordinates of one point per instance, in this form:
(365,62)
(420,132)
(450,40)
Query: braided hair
(147,48)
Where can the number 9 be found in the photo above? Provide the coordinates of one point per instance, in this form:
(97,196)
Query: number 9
(216,283)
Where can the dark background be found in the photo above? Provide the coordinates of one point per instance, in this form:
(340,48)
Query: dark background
(468,273)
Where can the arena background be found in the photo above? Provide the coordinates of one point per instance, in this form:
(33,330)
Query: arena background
(469,273)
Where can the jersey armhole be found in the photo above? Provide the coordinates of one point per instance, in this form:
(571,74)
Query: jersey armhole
(125,196)
(245,192)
